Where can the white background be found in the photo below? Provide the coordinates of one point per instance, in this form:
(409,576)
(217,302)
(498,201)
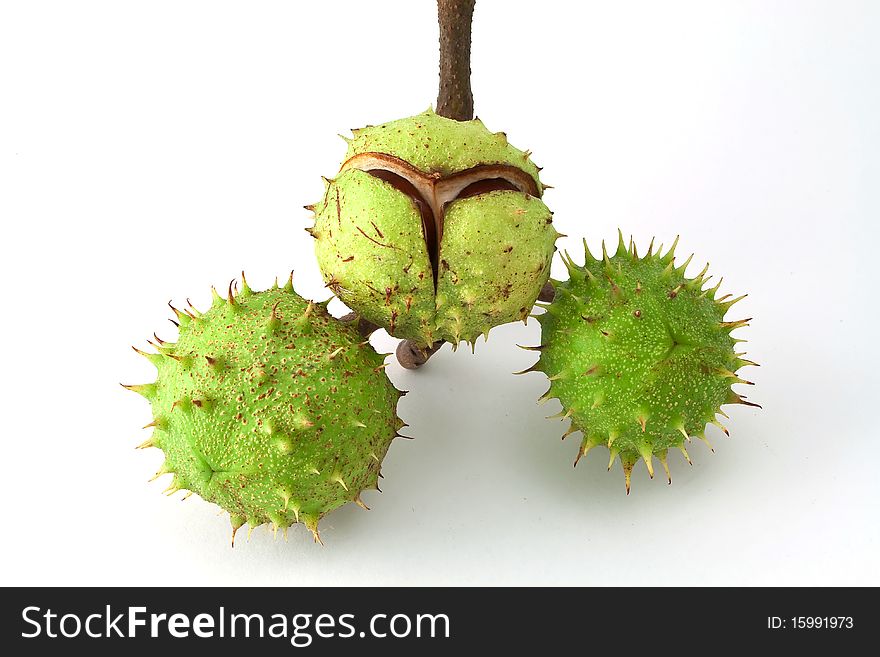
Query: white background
(149,150)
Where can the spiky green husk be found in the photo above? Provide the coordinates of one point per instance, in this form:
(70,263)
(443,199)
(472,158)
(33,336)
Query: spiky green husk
(639,356)
(494,255)
(270,408)
(373,255)
(494,259)
(433,143)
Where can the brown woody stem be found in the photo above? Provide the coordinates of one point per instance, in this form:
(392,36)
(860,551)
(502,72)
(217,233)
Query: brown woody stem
(455,100)
(364,327)
(411,357)
(548,293)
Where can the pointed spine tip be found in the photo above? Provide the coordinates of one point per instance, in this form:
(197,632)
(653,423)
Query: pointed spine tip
(147,390)
(670,254)
(245,288)
(621,244)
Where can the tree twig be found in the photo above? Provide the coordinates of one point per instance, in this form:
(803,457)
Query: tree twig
(455,99)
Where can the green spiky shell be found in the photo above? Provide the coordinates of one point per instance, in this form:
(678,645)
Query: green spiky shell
(639,356)
(270,408)
(495,252)
(433,143)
